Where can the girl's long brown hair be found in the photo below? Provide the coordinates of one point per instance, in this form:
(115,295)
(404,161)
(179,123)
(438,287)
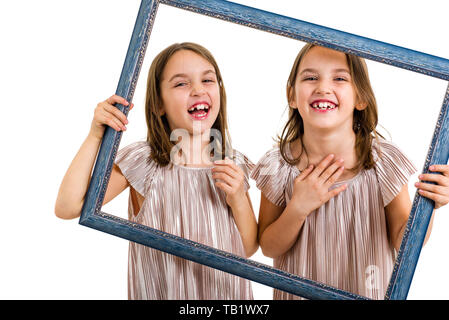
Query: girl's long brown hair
(364,123)
(158,135)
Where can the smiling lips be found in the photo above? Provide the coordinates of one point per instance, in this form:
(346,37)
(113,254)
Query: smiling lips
(199,111)
(323,106)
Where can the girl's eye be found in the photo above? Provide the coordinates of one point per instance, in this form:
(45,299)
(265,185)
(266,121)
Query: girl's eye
(311,78)
(340,79)
(208,80)
(180,84)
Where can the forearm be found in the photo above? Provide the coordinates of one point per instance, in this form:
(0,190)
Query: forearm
(282,234)
(246,223)
(399,237)
(76,180)
(429,228)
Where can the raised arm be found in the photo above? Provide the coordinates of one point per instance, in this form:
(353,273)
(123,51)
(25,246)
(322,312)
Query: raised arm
(74,185)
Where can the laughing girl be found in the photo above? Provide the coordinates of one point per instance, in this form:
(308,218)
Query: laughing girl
(175,184)
(335,201)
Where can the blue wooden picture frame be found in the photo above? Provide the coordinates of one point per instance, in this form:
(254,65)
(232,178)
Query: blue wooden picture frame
(421,212)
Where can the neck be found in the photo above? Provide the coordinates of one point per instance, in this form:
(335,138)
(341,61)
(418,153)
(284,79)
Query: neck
(320,143)
(193,150)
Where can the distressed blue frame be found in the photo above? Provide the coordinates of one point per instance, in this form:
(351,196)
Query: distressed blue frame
(438,152)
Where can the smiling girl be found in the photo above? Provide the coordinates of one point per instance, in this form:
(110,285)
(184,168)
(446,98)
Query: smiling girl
(335,201)
(175,184)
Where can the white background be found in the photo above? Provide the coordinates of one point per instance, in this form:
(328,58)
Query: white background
(59,59)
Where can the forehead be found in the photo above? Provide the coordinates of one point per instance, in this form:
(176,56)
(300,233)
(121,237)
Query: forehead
(323,58)
(186,62)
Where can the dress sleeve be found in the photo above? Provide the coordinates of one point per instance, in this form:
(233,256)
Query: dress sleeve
(393,169)
(271,174)
(135,164)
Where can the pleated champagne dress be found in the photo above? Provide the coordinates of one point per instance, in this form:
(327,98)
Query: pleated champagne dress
(183,201)
(344,243)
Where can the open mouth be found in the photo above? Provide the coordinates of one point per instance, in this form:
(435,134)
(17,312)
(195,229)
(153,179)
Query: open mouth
(323,106)
(199,111)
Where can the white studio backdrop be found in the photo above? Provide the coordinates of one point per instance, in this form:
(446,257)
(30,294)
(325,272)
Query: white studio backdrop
(59,59)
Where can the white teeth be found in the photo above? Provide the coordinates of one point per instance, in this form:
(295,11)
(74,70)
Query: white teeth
(199,107)
(324,105)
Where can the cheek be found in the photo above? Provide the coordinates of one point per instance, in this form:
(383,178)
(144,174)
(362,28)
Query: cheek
(214,93)
(347,97)
(302,94)
(172,101)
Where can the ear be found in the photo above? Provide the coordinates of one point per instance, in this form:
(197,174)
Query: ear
(361,106)
(291,98)
(161,111)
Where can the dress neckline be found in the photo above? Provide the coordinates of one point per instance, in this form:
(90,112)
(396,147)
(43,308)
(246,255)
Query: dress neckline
(192,168)
(296,169)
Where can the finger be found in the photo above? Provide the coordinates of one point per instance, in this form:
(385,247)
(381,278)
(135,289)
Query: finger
(223,186)
(234,166)
(305,173)
(334,177)
(431,187)
(331,170)
(114,123)
(443,168)
(437,198)
(117,99)
(226,162)
(322,166)
(225,178)
(120,125)
(231,181)
(437,178)
(337,190)
(226,169)
(117,113)
(111,120)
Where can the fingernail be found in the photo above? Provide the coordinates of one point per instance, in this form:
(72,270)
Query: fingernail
(432,168)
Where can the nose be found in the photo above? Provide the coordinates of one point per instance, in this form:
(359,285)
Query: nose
(197,89)
(323,87)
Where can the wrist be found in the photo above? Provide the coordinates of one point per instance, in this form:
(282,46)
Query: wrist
(94,137)
(237,201)
(298,208)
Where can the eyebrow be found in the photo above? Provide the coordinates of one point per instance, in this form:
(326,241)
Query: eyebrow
(183,75)
(316,71)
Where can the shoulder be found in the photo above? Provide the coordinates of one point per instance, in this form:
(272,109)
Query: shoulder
(270,163)
(382,147)
(393,168)
(272,156)
(137,148)
(271,174)
(386,153)
(136,165)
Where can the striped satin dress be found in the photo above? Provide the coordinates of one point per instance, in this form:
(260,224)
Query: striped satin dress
(344,243)
(183,201)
